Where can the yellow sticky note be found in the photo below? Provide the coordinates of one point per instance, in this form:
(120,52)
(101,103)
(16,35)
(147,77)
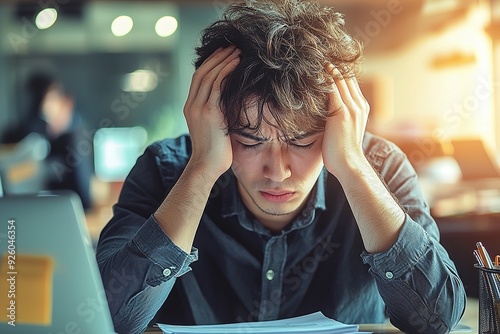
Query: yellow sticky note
(26,289)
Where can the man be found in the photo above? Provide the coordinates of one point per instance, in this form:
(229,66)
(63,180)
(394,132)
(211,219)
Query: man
(52,114)
(279,203)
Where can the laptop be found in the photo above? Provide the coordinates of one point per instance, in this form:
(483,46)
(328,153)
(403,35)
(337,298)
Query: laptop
(476,162)
(50,282)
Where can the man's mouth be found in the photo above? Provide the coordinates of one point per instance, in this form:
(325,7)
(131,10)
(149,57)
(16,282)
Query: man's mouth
(277,196)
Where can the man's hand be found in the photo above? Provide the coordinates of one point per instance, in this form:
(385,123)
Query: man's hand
(211,146)
(181,211)
(377,214)
(344,130)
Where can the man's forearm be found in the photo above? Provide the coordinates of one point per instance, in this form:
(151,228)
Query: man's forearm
(377,213)
(181,211)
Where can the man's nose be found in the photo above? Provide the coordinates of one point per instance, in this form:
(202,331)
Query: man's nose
(276,167)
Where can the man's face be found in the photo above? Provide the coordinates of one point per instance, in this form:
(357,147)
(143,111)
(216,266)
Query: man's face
(275,177)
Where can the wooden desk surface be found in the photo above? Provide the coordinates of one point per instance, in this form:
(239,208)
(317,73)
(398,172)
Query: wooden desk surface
(468,324)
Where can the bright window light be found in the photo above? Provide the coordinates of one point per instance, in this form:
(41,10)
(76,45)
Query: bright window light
(46,18)
(140,81)
(116,151)
(122,25)
(166,26)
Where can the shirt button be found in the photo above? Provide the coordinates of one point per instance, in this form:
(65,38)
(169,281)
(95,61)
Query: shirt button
(389,274)
(270,275)
(167,272)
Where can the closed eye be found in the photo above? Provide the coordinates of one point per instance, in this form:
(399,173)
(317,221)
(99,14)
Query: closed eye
(249,146)
(302,146)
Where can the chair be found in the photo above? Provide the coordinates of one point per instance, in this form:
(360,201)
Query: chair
(22,165)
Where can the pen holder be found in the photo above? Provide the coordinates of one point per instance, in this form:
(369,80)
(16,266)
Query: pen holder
(489,301)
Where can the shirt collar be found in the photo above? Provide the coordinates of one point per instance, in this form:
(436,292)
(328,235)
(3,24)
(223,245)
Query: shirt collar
(233,206)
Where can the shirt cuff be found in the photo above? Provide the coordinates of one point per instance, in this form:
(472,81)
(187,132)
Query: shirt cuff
(170,260)
(412,243)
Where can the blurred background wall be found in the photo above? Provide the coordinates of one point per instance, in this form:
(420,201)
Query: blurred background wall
(429,65)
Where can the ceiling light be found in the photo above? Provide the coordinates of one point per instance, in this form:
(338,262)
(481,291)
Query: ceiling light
(166,26)
(122,25)
(46,18)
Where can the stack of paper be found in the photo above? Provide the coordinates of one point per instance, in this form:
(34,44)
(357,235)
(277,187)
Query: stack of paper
(311,323)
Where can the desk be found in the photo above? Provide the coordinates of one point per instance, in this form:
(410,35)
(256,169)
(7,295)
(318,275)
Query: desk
(469,320)
(468,324)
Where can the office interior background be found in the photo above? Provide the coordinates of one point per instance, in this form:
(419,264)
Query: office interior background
(431,75)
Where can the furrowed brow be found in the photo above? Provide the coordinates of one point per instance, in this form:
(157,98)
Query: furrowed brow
(250,136)
(303,135)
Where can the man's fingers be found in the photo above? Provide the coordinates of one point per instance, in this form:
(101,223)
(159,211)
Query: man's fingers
(208,65)
(209,81)
(342,86)
(216,87)
(335,102)
(217,51)
(354,88)
(346,90)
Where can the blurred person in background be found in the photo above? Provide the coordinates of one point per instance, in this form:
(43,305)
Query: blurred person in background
(51,113)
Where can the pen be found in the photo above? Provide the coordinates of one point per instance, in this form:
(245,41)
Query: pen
(494,280)
(484,255)
(478,258)
(497,260)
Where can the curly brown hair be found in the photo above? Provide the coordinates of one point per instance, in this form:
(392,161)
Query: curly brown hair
(285,45)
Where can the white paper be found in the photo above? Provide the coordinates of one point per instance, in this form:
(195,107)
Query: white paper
(311,323)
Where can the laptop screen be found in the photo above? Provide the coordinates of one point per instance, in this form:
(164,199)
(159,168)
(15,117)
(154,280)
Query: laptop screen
(49,277)
(474,159)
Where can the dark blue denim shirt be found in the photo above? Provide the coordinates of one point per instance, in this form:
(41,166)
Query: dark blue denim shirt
(240,271)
